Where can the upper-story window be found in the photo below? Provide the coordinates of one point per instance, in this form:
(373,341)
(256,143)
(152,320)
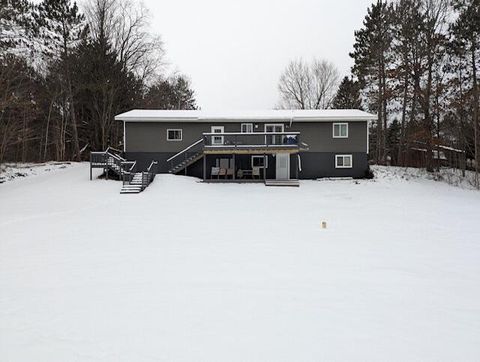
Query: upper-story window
(340,130)
(247,128)
(174,134)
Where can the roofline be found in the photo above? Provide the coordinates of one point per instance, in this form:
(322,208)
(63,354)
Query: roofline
(246,118)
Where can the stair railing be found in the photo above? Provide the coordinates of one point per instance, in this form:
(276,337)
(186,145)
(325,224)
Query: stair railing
(128,171)
(113,150)
(97,158)
(184,154)
(149,175)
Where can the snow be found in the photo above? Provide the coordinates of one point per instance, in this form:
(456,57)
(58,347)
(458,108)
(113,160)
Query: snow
(446,175)
(303,115)
(10,172)
(212,272)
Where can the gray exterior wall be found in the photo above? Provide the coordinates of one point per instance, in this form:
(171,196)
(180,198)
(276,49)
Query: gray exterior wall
(147,141)
(152,136)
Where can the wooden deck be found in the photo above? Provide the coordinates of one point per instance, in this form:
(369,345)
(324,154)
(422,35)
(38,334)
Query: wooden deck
(250,150)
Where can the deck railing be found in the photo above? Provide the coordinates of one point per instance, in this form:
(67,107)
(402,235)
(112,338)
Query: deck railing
(254,139)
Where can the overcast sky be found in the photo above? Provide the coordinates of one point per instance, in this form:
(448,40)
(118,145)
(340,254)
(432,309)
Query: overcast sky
(235,51)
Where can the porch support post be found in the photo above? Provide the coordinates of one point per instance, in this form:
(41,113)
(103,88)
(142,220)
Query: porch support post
(298,166)
(264,167)
(90,167)
(204,167)
(234,167)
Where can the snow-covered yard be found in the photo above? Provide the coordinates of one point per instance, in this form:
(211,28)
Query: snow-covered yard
(187,271)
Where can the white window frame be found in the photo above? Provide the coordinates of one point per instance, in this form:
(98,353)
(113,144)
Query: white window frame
(340,127)
(222,130)
(274,125)
(343,157)
(262,158)
(175,139)
(248,125)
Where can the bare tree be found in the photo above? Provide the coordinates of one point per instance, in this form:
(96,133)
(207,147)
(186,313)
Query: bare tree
(125,26)
(120,29)
(306,85)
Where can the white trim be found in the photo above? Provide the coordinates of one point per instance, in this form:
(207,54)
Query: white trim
(262,158)
(273,124)
(175,129)
(343,156)
(325,115)
(340,124)
(124,137)
(247,124)
(222,130)
(185,149)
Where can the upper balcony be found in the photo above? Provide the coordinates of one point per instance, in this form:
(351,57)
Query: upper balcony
(255,142)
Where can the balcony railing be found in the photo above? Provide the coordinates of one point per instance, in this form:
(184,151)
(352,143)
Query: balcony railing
(252,140)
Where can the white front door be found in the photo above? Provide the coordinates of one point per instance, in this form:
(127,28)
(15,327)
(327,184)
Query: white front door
(283,166)
(217,140)
(273,139)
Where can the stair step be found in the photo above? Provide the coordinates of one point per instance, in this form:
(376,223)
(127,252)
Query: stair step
(130,191)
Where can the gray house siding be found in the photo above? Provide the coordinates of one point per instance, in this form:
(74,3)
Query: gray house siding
(152,136)
(147,141)
(322,164)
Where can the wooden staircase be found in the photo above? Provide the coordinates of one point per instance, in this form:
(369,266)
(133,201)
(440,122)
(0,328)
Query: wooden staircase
(112,161)
(186,162)
(134,186)
(186,157)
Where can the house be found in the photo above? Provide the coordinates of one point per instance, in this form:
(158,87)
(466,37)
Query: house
(248,146)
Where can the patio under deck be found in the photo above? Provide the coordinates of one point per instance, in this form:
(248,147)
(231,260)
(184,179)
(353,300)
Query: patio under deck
(261,144)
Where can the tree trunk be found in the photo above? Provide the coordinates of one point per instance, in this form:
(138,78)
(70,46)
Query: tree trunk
(384,113)
(76,143)
(46,131)
(401,156)
(379,149)
(475,114)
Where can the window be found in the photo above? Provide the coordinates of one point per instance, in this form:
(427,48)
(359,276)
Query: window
(258,161)
(340,130)
(217,140)
(247,128)
(343,161)
(174,134)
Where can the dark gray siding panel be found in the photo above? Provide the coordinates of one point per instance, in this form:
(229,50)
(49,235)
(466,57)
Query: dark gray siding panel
(314,164)
(145,158)
(152,136)
(319,137)
(322,164)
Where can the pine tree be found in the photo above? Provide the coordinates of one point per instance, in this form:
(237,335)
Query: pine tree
(466,43)
(372,51)
(348,95)
(173,93)
(407,23)
(393,141)
(61,27)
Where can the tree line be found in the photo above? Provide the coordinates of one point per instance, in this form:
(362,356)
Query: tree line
(65,73)
(415,65)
